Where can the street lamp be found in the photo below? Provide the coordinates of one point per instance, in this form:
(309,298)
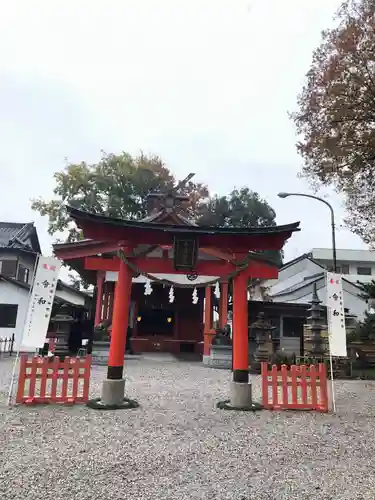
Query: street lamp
(285,195)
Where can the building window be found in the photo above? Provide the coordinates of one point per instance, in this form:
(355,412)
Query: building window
(364,271)
(8,315)
(8,268)
(343,269)
(23,274)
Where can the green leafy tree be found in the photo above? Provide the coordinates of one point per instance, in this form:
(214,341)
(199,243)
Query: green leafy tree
(365,329)
(116,186)
(367,289)
(241,208)
(336,114)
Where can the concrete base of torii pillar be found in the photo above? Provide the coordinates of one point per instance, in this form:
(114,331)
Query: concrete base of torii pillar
(113,392)
(241,398)
(240,395)
(113,397)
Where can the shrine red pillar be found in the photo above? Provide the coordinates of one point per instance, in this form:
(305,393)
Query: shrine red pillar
(99,298)
(111,298)
(209,332)
(240,329)
(113,389)
(105,300)
(223,307)
(120,320)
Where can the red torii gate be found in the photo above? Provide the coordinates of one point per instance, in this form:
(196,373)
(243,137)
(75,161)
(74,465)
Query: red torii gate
(131,241)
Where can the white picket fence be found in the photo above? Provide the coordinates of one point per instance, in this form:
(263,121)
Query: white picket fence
(6,345)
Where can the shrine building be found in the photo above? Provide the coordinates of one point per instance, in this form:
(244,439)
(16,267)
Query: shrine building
(157,276)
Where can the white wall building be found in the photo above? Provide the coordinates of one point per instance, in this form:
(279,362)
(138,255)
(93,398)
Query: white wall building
(354,265)
(297,278)
(14,299)
(19,246)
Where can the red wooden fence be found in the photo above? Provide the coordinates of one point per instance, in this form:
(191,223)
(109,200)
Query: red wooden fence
(49,380)
(300,388)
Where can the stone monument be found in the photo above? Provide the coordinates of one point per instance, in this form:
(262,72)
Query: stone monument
(60,326)
(264,351)
(315,345)
(221,349)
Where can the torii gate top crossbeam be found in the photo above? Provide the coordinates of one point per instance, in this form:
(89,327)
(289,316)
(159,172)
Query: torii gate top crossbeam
(98,227)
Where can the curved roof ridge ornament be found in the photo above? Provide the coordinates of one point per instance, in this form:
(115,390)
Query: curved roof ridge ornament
(167,199)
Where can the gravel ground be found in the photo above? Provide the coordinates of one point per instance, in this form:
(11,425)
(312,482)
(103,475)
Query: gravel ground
(179,446)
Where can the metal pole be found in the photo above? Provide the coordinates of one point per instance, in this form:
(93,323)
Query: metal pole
(333,238)
(334,259)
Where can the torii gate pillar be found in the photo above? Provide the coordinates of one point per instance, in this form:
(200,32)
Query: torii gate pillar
(240,387)
(114,385)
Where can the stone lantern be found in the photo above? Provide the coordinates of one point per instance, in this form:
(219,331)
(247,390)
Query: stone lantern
(263,329)
(314,344)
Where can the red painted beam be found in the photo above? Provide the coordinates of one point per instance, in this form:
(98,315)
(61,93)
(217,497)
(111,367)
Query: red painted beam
(165,266)
(99,297)
(262,271)
(159,266)
(100,264)
(223,304)
(220,254)
(80,250)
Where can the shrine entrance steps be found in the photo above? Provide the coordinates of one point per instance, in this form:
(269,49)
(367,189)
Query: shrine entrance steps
(160,357)
(166,357)
(189,357)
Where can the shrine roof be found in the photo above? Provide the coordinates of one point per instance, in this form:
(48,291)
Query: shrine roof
(80,215)
(162,215)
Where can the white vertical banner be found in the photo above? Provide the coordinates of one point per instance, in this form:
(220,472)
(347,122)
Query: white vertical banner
(336,315)
(40,302)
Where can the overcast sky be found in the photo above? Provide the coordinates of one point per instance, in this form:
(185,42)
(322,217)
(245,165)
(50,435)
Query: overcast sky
(206,84)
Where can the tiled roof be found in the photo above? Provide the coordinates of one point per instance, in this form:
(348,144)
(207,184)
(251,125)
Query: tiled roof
(8,231)
(18,235)
(306,282)
(298,259)
(301,284)
(80,215)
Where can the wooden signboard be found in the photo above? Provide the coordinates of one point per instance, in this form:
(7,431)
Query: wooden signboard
(185,253)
